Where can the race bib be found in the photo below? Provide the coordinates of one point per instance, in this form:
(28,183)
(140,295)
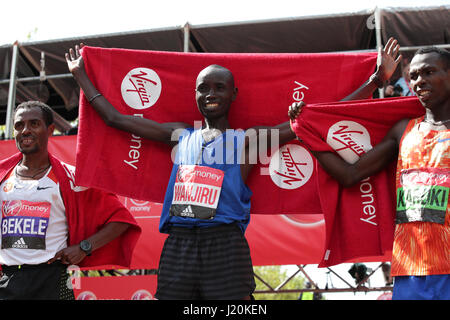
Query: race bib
(423,196)
(196,192)
(24,224)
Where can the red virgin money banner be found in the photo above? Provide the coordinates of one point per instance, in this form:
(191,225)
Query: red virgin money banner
(114,287)
(359,219)
(160,86)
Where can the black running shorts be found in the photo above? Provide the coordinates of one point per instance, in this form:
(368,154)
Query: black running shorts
(205,263)
(35,282)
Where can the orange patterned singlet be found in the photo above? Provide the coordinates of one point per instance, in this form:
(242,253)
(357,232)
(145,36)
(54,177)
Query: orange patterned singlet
(421,240)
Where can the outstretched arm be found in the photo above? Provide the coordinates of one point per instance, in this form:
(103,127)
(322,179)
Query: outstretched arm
(368,164)
(141,127)
(388,60)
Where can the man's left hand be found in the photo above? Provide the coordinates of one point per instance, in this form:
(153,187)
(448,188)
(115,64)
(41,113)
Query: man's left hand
(70,255)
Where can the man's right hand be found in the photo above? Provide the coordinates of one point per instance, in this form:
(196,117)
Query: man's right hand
(295,109)
(74,60)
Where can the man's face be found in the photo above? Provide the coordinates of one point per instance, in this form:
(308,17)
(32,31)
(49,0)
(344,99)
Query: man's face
(430,79)
(215,92)
(30,131)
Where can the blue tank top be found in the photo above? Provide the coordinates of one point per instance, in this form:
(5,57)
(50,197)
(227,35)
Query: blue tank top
(223,153)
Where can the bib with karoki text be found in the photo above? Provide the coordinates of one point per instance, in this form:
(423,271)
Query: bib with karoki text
(423,195)
(196,192)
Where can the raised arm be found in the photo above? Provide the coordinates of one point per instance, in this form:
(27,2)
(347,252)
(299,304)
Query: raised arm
(388,60)
(141,127)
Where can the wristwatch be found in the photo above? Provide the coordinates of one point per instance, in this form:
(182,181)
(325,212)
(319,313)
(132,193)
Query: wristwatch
(86,246)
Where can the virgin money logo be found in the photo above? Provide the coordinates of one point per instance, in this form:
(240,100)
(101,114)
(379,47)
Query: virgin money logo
(139,208)
(142,295)
(349,139)
(87,295)
(305,220)
(11,208)
(139,202)
(291,166)
(141,88)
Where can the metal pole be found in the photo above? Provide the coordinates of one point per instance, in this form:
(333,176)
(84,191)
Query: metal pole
(414,48)
(42,76)
(377,16)
(186,37)
(12,93)
(38,78)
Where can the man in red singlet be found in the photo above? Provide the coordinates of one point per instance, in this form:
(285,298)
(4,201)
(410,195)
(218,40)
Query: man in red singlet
(420,258)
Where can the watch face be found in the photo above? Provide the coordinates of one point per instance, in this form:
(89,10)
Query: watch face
(85,245)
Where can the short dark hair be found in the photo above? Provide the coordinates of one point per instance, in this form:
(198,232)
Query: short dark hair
(444,54)
(47,112)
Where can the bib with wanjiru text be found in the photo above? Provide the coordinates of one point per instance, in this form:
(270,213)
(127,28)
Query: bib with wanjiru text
(196,192)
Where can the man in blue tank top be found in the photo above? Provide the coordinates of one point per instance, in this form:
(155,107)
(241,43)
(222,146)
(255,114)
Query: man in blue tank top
(207,204)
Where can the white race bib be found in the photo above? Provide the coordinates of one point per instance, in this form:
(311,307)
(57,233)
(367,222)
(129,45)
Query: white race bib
(196,192)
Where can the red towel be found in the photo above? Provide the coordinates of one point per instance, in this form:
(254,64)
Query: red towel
(359,220)
(87,211)
(268,83)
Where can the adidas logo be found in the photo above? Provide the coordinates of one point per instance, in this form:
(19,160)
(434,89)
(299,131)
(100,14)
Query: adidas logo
(20,244)
(187,212)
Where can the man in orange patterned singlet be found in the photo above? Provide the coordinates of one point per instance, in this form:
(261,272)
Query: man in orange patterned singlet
(420,257)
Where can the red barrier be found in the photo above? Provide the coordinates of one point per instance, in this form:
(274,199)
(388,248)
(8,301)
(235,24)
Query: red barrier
(113,288)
